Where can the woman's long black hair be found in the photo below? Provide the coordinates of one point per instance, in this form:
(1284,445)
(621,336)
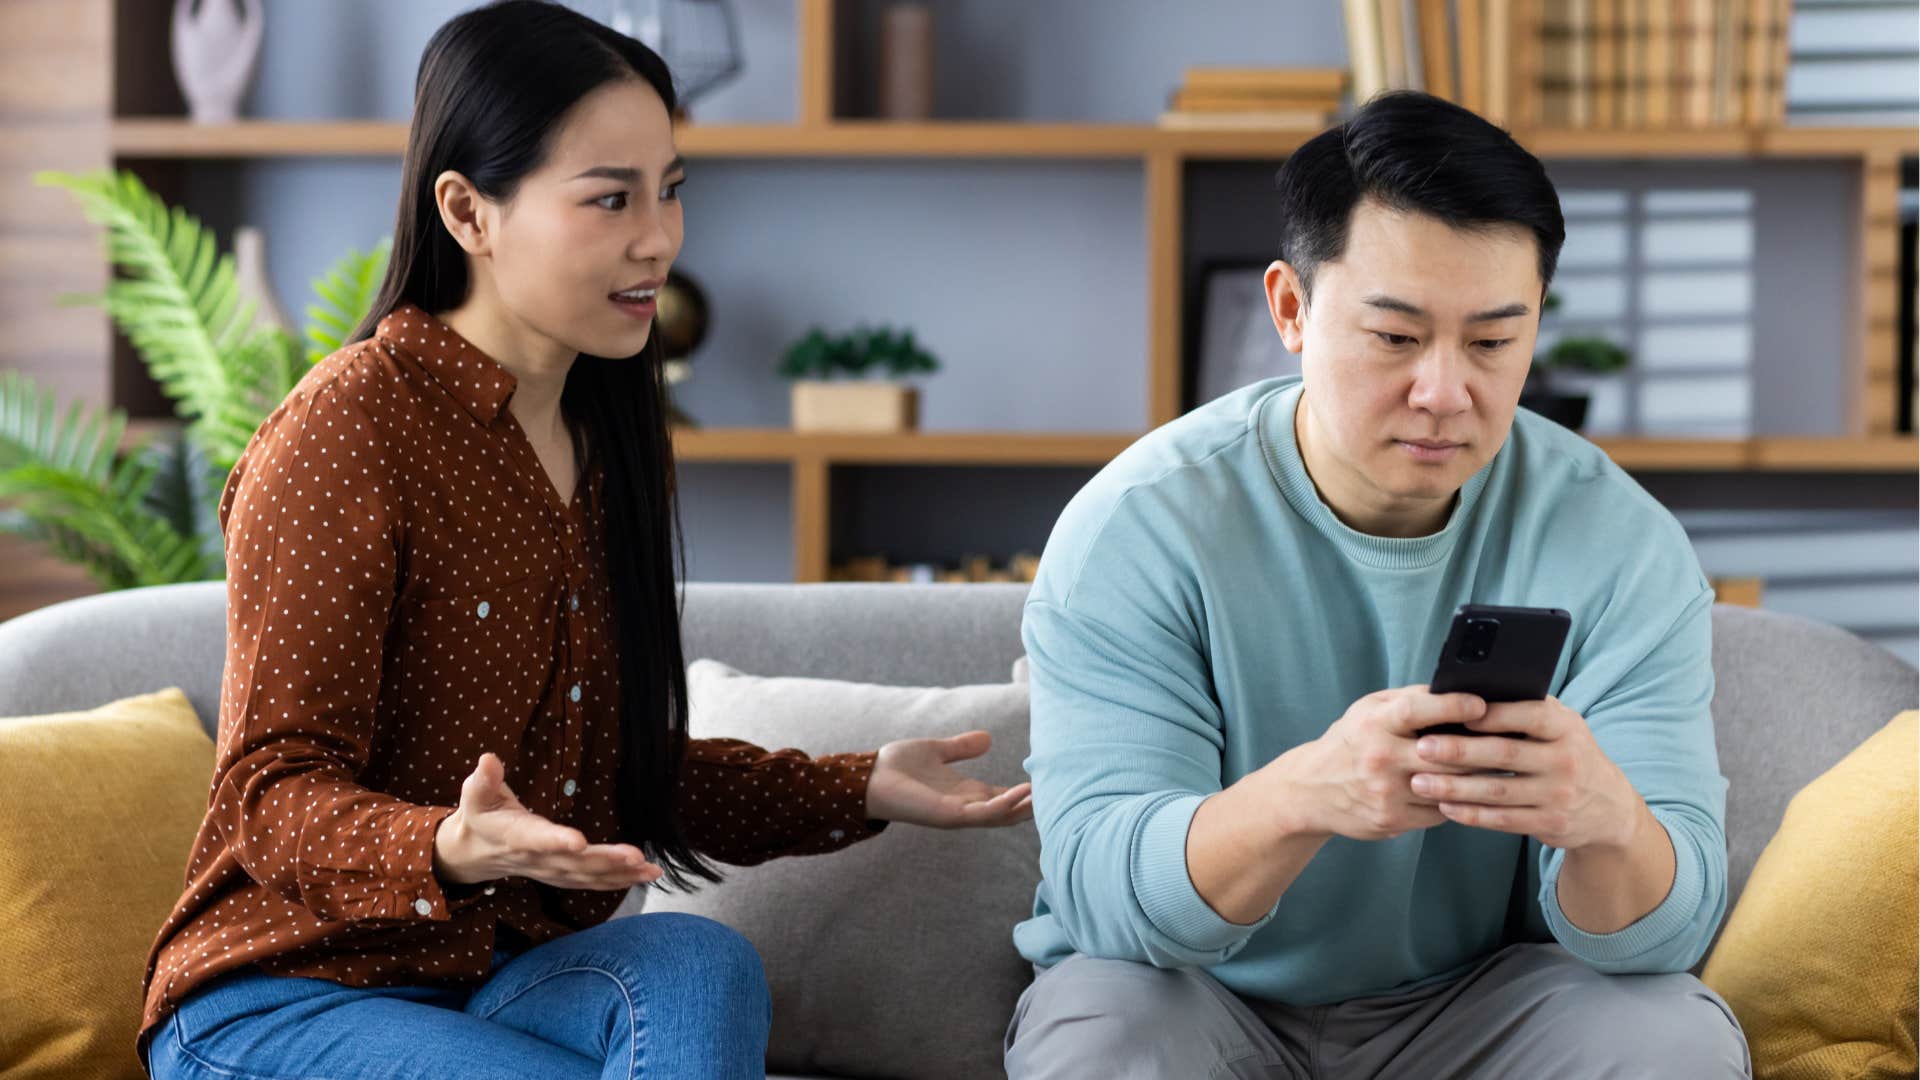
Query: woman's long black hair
(493,86)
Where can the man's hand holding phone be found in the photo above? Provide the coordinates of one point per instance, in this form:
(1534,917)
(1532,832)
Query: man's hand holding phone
(1562,790)
(1354,780)
(1548,778)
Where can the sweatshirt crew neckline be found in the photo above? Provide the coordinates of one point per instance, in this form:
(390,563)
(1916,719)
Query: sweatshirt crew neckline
(1273,421)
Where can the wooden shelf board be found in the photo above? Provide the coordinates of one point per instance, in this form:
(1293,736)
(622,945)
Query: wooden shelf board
(146,137)
(918,448)
(1875,453)
(168,138)
(149,137)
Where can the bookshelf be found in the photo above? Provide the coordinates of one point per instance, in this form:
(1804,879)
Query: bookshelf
(160,144)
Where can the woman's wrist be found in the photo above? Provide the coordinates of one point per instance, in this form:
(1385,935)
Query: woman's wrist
(450,841)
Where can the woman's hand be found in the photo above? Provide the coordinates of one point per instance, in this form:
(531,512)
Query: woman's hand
(494,835)
(912,781)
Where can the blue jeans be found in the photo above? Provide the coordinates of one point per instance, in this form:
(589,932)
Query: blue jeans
(660,995)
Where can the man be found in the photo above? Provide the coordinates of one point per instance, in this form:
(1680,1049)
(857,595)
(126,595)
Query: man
(1252,863)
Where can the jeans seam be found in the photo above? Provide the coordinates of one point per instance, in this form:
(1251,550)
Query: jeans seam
(633,1014)
(181,1045)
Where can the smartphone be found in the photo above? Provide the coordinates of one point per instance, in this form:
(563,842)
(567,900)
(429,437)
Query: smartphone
(1501,654)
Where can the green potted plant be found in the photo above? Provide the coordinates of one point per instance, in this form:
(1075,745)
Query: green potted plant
(1561,398)
(832,390)
(148,514)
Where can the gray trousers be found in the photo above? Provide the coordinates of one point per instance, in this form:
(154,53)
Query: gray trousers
(1529,1010)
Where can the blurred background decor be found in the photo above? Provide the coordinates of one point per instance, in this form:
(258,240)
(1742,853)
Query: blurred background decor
(216,44)
(825,401)
(1237,344)
(147,514)
(906,60)
(1044,225)
(681,320)
(699,39)
(1302,99)
(1554,386)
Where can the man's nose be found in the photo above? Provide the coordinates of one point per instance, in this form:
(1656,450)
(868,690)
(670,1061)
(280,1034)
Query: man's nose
(1440,382)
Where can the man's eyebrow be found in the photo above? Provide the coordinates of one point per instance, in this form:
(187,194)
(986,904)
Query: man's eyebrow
(1389,303)
(624,174)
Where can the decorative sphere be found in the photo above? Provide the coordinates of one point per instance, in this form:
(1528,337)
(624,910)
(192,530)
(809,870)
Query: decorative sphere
(681,317)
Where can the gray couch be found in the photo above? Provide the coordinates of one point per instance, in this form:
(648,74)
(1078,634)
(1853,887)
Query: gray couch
(1793,697)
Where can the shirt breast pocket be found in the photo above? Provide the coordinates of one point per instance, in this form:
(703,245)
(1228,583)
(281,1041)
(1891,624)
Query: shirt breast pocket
(479,663)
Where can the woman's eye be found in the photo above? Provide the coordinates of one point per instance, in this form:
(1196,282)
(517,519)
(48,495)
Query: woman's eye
(1495,344)
(671,191)
(1395,340)
(621,195)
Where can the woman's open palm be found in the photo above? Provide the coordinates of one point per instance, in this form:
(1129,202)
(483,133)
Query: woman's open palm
(914,781)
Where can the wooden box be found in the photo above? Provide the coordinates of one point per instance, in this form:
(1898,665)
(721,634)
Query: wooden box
(865,406)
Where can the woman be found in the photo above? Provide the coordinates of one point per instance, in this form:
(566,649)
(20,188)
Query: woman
(452,557)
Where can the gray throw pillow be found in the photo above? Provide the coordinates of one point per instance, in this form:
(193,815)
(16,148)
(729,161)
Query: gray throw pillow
(895,957)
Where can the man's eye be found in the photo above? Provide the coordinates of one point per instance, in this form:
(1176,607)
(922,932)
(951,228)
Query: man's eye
(1395,340)
(1495,344)
(621,195)
(671,191)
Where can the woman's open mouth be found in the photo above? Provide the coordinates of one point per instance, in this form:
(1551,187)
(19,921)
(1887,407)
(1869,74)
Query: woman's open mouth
(638,303)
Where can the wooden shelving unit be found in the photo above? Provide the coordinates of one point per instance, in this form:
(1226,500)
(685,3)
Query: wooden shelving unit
(781,446)
(155,138)
(1164,155)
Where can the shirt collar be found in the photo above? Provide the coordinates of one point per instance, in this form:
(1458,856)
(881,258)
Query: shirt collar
(475,380)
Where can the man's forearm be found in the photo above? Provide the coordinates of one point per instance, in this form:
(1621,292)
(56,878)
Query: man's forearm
(1605,887)
(1243,851)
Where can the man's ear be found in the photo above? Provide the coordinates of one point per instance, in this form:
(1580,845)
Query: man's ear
(1287,303)
(467,215)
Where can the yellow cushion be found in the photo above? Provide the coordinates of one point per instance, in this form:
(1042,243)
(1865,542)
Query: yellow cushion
(98,813)
(1818,958)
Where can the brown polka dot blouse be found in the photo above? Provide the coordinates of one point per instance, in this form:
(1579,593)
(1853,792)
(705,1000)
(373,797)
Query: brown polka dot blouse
(405,591)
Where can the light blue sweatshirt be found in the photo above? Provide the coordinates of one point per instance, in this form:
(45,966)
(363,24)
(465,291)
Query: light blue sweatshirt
(1199,610)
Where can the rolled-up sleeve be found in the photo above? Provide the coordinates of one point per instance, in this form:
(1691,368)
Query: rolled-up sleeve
(1655,724)
(742,804)
(312,535)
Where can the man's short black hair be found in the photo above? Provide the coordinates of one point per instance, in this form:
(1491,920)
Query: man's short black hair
(1413,152)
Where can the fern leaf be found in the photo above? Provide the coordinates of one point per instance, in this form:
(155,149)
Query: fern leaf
(346,291)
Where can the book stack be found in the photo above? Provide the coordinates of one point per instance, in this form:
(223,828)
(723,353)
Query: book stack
(1262,98)
(1639,65)
(972,568)
(1619,64)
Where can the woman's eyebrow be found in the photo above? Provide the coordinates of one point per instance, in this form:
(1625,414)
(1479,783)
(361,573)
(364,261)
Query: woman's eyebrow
(624,174)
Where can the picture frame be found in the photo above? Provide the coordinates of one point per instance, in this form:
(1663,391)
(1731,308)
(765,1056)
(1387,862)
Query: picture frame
(1236,342)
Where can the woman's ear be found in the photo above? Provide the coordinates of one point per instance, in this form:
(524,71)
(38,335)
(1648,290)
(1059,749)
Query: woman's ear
(465,213)
(1287,303)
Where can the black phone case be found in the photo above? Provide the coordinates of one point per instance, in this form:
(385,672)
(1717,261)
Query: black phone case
(1519,667)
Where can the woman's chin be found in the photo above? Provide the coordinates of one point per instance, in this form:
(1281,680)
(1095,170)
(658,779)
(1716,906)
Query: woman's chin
(631,343)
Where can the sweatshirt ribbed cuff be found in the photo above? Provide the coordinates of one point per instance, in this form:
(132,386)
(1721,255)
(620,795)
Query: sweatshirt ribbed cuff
(1651,931)
(1163,888)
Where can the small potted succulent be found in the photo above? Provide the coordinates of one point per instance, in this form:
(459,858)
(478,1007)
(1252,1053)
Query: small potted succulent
(1563,398)
(832,390)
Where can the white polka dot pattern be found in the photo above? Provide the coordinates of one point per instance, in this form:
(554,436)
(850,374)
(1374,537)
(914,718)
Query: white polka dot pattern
(406,590)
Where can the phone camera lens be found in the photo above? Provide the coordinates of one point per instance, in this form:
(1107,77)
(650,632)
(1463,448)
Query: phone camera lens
(1477,643)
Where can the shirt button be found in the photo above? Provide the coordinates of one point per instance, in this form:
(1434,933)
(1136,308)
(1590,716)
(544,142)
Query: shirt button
(488,890)
(422,906)
(837,834)
(574,694)
(573,603)
(483,609)
(570,787)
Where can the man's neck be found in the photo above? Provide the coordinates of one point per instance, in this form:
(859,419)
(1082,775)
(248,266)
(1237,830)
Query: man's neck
(1351,498)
